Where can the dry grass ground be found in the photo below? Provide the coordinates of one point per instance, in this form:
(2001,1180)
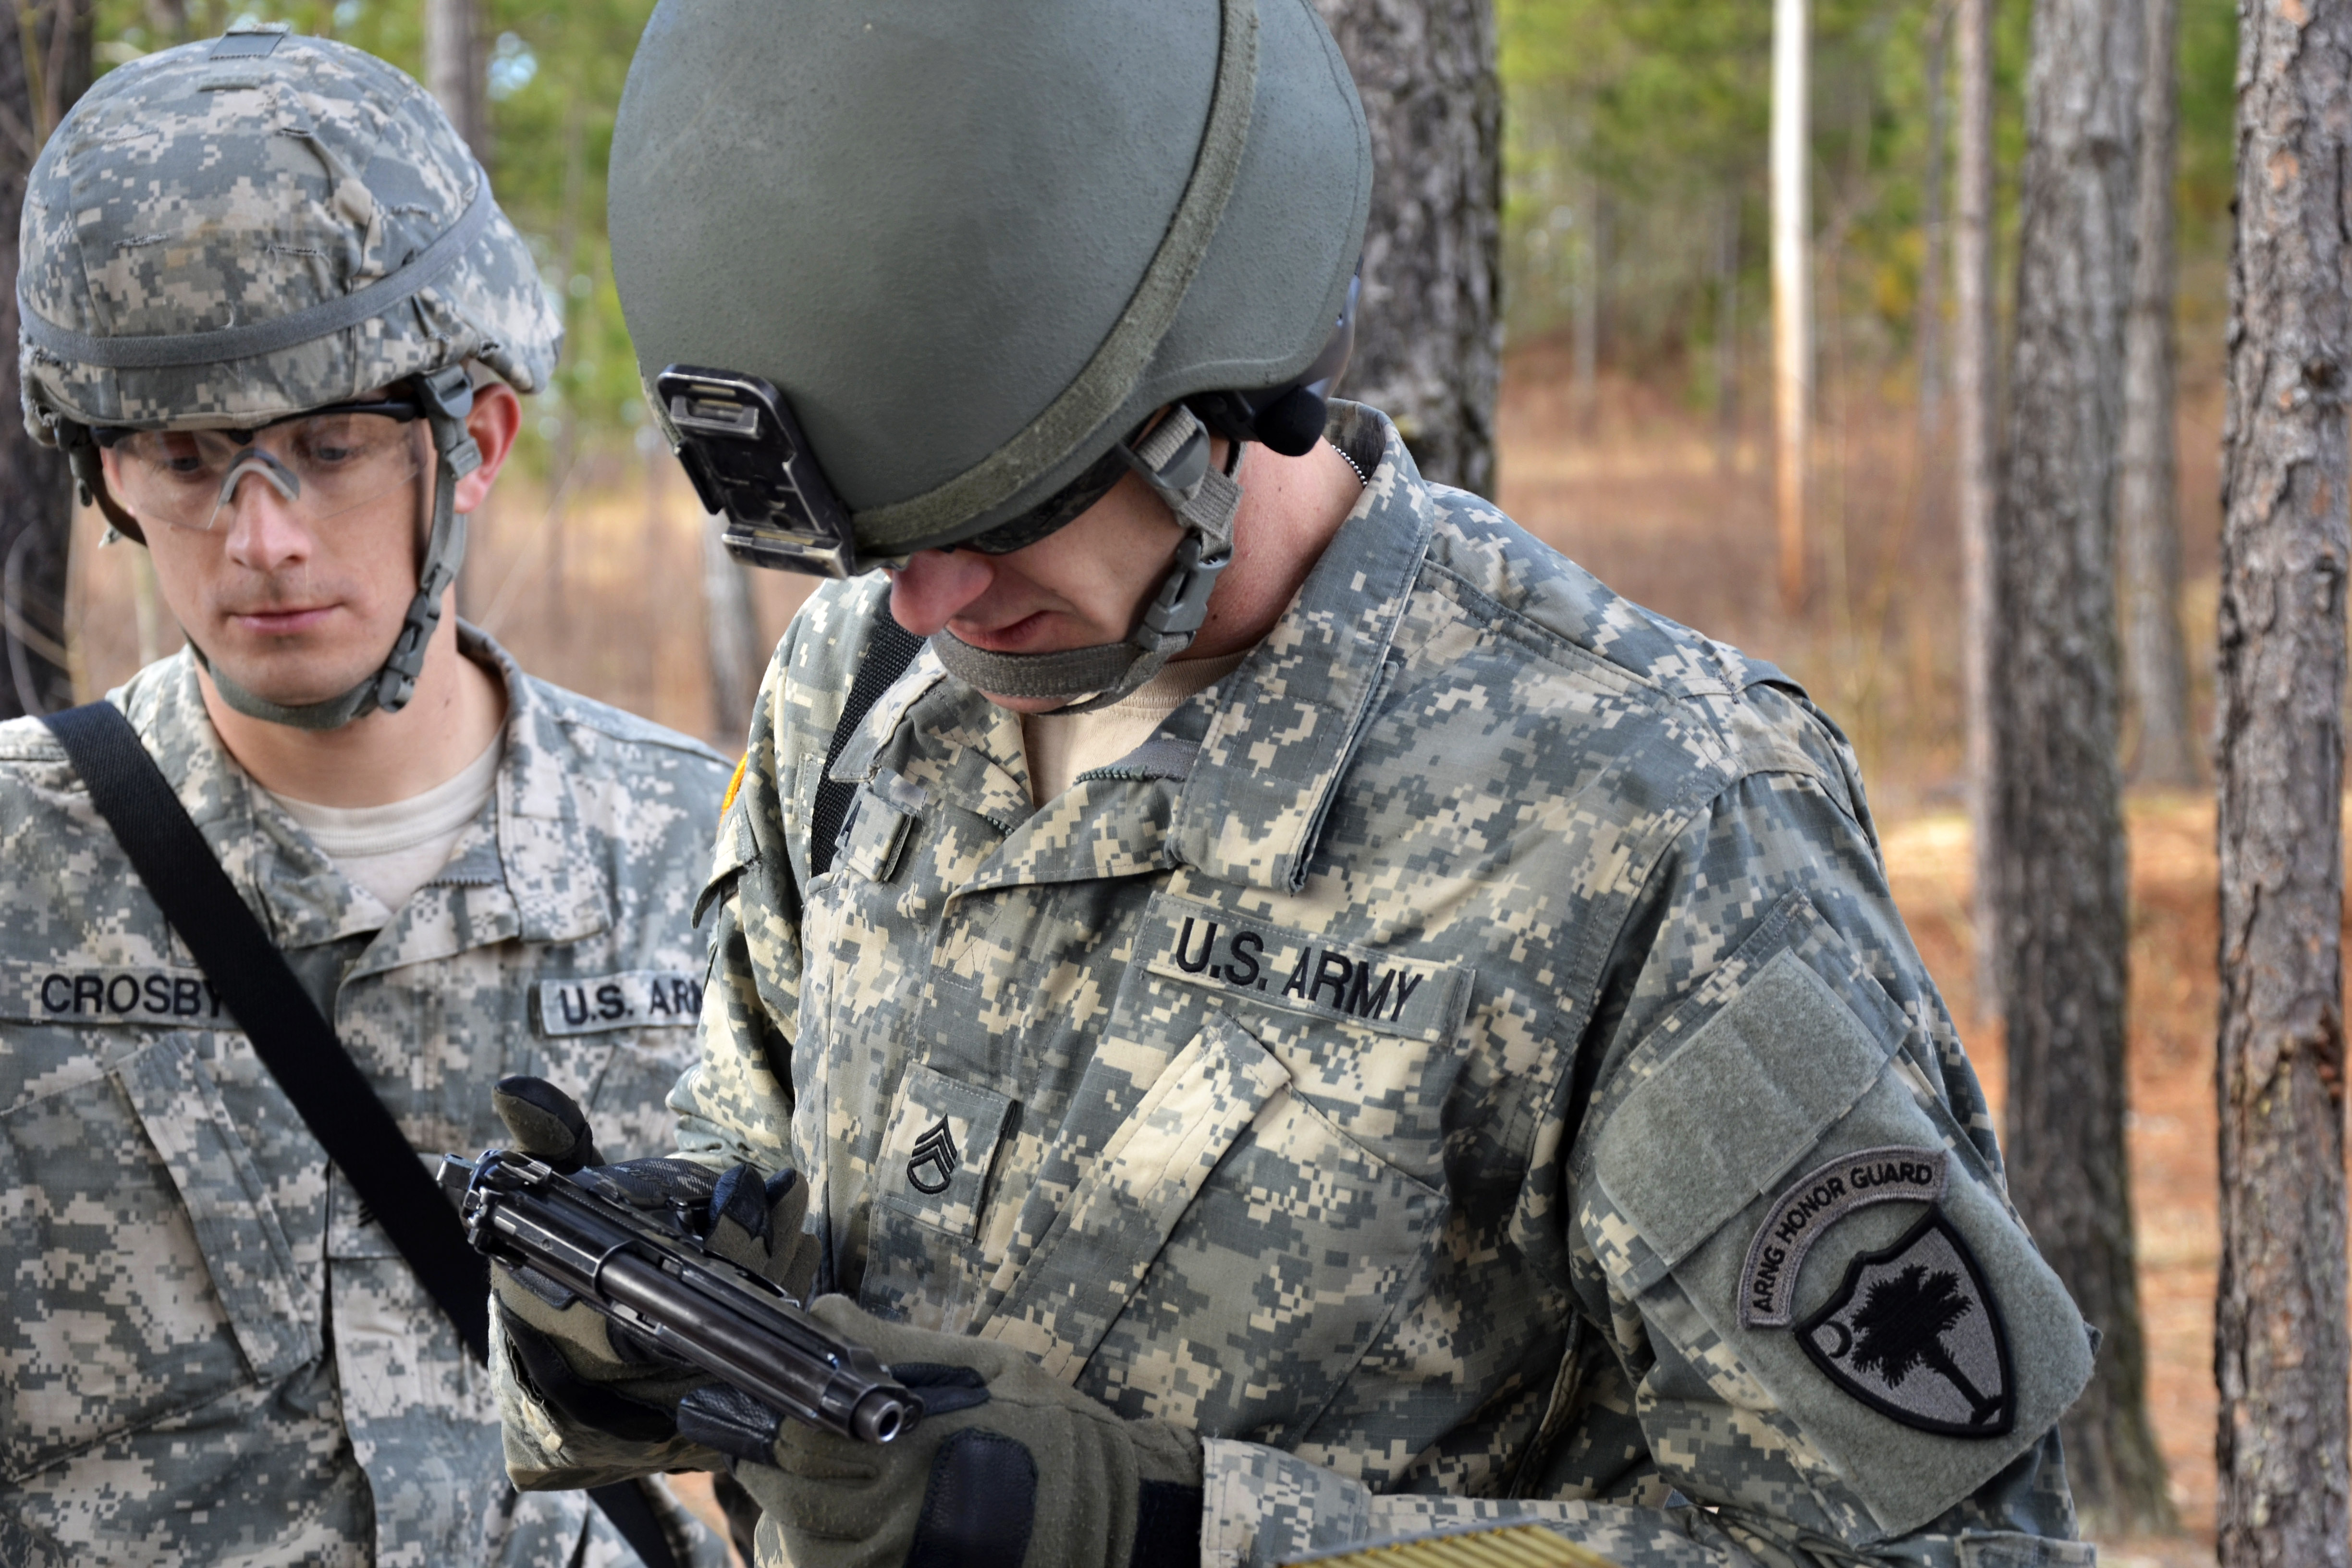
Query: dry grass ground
(596,584)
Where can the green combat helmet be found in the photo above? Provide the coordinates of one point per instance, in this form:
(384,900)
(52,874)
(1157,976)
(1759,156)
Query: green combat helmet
(902,278)
(229,233)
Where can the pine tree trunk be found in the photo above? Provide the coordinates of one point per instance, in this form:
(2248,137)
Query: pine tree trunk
(457,68)
(35,488)
(170,21)
(2147,509)
(1928,331)
(1727,332)
(732,643)
(1429,329)
(2056,813)
(1974,408)
(2279,1343)
(456,73)
(1589,291)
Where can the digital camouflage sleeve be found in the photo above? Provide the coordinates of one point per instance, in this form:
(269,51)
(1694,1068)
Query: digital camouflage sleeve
(1466,1065)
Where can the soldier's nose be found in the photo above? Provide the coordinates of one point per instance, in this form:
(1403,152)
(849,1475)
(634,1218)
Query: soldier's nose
(265,531)
(935,585)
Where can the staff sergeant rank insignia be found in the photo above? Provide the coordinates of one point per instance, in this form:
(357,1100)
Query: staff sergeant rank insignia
(935,1151)
(1912,1332)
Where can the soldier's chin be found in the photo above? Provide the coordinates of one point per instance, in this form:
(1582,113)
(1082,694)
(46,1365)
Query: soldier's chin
(1033,704)
(294,679)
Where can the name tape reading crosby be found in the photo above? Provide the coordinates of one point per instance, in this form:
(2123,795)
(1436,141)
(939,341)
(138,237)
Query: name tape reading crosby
(1815,1201)
(153,994)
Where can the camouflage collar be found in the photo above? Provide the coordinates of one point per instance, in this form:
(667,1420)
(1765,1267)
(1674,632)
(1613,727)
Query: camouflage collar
(891,709)
(531,875)
(556,878)
(1292,716)
(1270,755)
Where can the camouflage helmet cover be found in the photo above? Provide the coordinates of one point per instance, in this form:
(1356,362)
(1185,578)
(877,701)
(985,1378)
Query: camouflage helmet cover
(262,178)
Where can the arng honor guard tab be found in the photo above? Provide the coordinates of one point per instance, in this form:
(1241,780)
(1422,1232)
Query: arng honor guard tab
(1511,1546)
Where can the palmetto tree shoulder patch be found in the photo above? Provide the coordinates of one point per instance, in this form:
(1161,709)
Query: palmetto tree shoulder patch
(1915,1333)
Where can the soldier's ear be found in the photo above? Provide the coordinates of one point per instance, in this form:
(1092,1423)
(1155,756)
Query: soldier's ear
(495,420)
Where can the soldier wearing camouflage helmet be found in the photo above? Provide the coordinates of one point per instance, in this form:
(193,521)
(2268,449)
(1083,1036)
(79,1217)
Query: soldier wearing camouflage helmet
(272,310)
(1305,1018)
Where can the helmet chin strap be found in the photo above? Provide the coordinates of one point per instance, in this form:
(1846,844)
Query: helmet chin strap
(447,395)
(1174,461)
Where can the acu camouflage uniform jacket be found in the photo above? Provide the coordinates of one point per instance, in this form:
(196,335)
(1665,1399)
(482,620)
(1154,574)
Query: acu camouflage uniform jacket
(1384,1070)
(210,1354)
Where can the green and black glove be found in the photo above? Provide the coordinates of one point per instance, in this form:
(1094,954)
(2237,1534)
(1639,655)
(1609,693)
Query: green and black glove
(571,1358)
(1008,1467)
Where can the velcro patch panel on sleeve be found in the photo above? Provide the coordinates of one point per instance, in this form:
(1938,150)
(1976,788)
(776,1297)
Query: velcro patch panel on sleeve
(1251,960)
(72,993)
(642,998)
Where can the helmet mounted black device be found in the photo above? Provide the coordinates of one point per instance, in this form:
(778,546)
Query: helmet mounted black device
(737,439)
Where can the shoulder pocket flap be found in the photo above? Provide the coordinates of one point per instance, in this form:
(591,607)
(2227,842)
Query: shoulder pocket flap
(1725,1115)
(1103,1240)
(887,805)
(736,848)
(236,1226)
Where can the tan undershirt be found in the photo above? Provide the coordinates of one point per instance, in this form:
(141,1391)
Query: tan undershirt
(391,851)
(1062,745)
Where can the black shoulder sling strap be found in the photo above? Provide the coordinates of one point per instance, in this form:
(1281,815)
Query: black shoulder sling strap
(299,1045)
(887,654)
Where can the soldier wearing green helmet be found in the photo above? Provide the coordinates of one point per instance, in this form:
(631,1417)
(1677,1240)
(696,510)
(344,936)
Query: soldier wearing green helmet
(271,308)
(1304,1019)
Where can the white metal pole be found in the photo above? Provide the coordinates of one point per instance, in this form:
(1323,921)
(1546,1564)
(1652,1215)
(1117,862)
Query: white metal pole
(1792,327)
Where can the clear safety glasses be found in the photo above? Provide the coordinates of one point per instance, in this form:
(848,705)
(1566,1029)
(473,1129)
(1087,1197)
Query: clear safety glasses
(322,463)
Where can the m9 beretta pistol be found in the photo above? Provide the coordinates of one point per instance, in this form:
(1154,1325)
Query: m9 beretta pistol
(693,1304)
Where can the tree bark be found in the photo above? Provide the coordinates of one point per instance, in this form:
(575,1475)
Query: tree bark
(2280,1349)
(45,65)
(456,73)
(1974,404)
(2147,508)
(1589,291)
(169,18)
(456,69)
(566,457)
(1727,332)
(2058,849)
(732,622)
(1927,330)
(1429,329)
(1792,290)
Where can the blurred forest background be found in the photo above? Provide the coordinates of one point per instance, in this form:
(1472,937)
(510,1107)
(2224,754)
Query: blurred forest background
(1636,410)
(1632,432)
